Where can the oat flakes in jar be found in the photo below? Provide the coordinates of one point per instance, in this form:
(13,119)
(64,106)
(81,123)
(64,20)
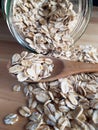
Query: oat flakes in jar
(47,26)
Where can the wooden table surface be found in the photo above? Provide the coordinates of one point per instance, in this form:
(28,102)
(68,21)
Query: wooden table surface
(11,101)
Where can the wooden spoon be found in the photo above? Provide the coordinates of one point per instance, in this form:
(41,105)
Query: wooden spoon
(64,68)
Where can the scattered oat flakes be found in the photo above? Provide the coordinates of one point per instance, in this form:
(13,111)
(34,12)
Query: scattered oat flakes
(74,96)
(69,103)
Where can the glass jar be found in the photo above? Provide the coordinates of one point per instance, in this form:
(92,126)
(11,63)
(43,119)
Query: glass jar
(81,7)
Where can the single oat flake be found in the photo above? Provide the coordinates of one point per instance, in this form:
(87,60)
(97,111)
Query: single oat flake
(11,119)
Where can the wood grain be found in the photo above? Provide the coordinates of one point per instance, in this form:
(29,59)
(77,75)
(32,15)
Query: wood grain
(91,34)
(10,101)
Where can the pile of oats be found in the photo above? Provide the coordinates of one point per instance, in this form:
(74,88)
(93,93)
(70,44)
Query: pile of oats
(28,66)
(69,103)
(45,25)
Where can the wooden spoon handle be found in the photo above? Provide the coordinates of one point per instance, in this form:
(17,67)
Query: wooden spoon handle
(72,67)
(64,68)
